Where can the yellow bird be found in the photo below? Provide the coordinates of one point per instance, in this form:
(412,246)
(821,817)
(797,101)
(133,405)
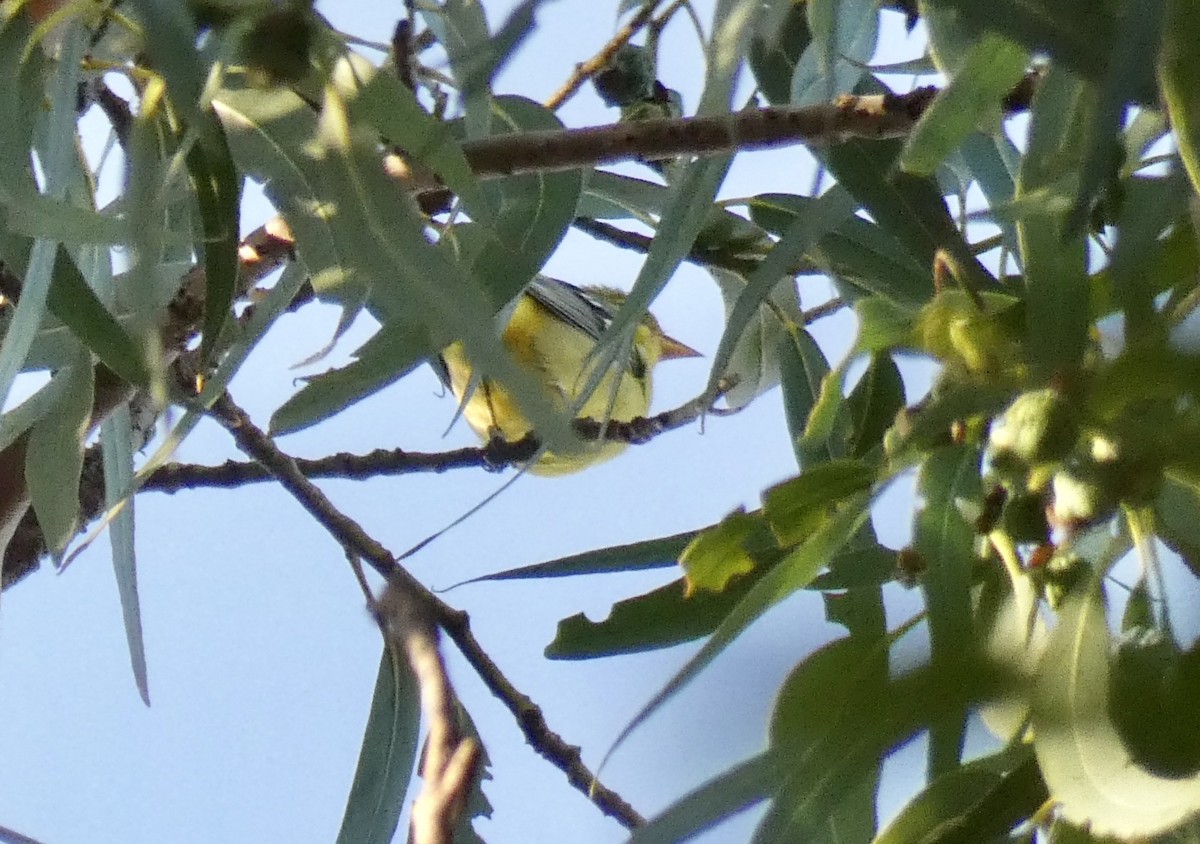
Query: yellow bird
(551,333)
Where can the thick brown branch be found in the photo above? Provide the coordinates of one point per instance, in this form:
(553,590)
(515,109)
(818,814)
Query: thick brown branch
(257,445)
(873,117)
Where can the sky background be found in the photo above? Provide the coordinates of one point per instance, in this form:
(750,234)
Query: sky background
(262,658)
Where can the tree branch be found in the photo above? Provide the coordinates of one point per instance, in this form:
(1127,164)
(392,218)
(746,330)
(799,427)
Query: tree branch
(586,70)
(450,760)
(257,445)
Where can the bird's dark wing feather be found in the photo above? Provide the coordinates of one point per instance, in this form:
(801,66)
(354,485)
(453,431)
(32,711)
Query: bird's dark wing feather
(571,304)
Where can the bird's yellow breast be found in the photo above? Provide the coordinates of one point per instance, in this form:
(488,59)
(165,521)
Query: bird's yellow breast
(557,354)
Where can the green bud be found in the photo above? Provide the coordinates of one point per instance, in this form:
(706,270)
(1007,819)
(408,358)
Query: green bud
(1038,427)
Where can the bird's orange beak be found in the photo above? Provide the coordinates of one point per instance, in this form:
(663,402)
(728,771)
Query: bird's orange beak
(672,348)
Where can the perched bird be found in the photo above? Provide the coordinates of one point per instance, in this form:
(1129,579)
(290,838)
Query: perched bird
(552,330)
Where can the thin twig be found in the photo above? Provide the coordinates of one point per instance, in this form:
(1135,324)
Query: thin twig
(496,454)
(257,445)
(450,760)
(586,70)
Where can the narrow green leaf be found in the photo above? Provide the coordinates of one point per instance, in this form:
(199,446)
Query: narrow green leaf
(910,208)
(795,508)
(389,355)
(753,360)
(794,572)
(218,191)
(214,179)
(946,543)
(801,235)
(861,256)
(1079,41)
(461,28)
(873,404)
(780,38)
(115,437)
(725,795)
(660,618)
(54,457)
(387,758)
(636,556)
(1055,259)
(72,301)
(61,130)
(844,34)
(803,368)
(971,100)
(1179,73)
(664,617)
(988,158)
(1148,208)
(1129,73)
(981,801)
(828,413)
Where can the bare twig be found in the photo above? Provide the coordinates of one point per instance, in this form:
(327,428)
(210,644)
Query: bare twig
(257,445)
(586,70)
(450,760)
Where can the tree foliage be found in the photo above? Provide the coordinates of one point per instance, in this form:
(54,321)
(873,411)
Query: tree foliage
(1058,298)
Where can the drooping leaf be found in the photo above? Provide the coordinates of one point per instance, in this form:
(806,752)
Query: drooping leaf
(1180,78)
(981,801)
(1087,766)
(636,556)
(1056,286)
(844,34)
(54,456)
(873,404)
(803,368)
(971,100)
(946,541)
(387,758)
(797,507)
(741,786)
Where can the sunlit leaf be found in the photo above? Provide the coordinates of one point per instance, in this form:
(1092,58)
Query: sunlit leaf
(1086,764)
(719,554)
